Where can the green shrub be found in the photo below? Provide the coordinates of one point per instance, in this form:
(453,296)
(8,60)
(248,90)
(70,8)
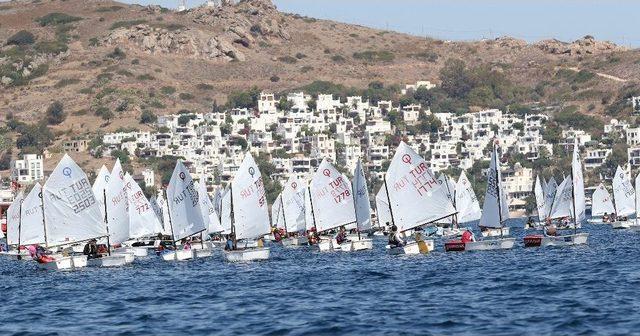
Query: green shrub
(274,79)
(127,24)
(168,90)
(145,77)
(186,96)
(53,19)
(428,56)
(288,59)
(20,38)
(93,42)
(104,112)
(109,9)
(117,54)
(338,59)
(148,117)
(126,73)
(300,56)
(374,56)
(204,86)
(65,82)
(306,69)
(55,113)
(86,91)
(51,47)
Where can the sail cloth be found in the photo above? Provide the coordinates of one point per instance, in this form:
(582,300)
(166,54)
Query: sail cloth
(578,185)
(550,195)
(382,208)
(466,201)
(156,208)
(13,220)
(31,229)
(276,213)
(250,209)
(361,195)
(623,194)
(143,221)
(563,202)
(541,205)
(601,202)
(293,205)
(71,211)
(637,199)
(225,212)
(414,193)
(449,187)
(100,184)
(308,213)
(209,214)
(117,206)
(331,198)
(184,204)
(164,213)
(495,208)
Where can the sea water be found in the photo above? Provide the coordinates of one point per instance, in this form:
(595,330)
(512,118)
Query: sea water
(591,289)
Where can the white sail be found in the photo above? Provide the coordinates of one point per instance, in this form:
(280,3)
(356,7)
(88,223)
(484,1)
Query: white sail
(563,202)
(100,184)
(353,225)
(449,187)
(331,198)
(466,201)
(143,221)
(493,209)
(538,192)
(225,212)
(601,202)
(550,195)
(308,213)
(361,195)
(117,206)
(31,229)
(382,208)
(578,185)
(623,194)
(156,208)
(415,195)
(164,213)
(276,213)
(637,199)
(72,213)
(209,214)
(250,209)
(293,205)
(184,204)
(13,219)
(217,200)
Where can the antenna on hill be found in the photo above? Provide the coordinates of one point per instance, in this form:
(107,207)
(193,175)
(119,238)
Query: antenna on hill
(183,6)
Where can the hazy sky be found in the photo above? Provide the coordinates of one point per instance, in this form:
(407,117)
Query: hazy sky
(474,19)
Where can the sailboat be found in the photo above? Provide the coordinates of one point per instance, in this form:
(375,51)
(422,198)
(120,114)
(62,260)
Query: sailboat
(636,225)
(601,203)
(624,199)
(494,213)
(332,203)
(14,223)
(291,210)
(383,216)
(71,213)
(249,213)
(550,195)
(100,184)
(414,196)
(541,201)
(360,193)
(183,212)
(569,202)
(210,219)
(466,202)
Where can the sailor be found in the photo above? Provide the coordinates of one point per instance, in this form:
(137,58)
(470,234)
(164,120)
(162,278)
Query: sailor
(605,217)
(394,237)
(91,249)
(551,231)
(230,246)
(530,222)
(341,237)
(467,237)
(186,244)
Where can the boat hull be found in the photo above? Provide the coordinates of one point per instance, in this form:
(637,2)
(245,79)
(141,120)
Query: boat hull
(500,232)
(114,260)
(64,263)
(138,252)
(357,245)
(567,240)
(14,255)
(411,248)
(247,255)
(179,255)
(482,245)
(326,245)
(294,241)
(203,253)
(619,225)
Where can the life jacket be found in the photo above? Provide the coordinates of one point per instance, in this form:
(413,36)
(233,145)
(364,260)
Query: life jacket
(466,237)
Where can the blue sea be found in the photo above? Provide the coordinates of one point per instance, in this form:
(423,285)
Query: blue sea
(591,289)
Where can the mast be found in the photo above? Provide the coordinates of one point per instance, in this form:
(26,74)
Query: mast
(44,224)
(284,216)
(384,179)
(353,197)
(498,182)
(19,230)
(313,215)
(106,220)
(573,200)
(454,217)
(173,237)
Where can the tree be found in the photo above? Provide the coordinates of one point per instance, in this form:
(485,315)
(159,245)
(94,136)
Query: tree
(123,155)
(148,117)
(456,81)
(55,113)
(21,38)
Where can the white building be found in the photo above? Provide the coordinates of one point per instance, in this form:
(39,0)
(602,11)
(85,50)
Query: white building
(27,170)
(419,84)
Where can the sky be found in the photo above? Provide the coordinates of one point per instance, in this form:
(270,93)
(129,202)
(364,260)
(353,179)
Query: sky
(531,20)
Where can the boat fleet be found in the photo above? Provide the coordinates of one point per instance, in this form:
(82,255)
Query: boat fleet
(55,224)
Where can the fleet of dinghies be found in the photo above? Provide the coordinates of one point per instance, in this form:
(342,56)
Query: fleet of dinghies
(53,223)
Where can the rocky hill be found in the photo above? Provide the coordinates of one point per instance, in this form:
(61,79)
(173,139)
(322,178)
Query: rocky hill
(109,63)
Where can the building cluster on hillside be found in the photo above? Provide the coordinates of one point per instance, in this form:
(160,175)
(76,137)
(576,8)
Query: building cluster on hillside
(313,128)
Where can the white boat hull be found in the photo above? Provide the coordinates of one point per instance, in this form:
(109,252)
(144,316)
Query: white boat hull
(14,255)
(179,255)
(567,240)
(357,245)
(621,225)
(482,245)
(246,255)
(326,245)
(410,248)
(114,260)
(138,251)
(294,241)
(500,232)
(64,263)
(203,253)
(635,228)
